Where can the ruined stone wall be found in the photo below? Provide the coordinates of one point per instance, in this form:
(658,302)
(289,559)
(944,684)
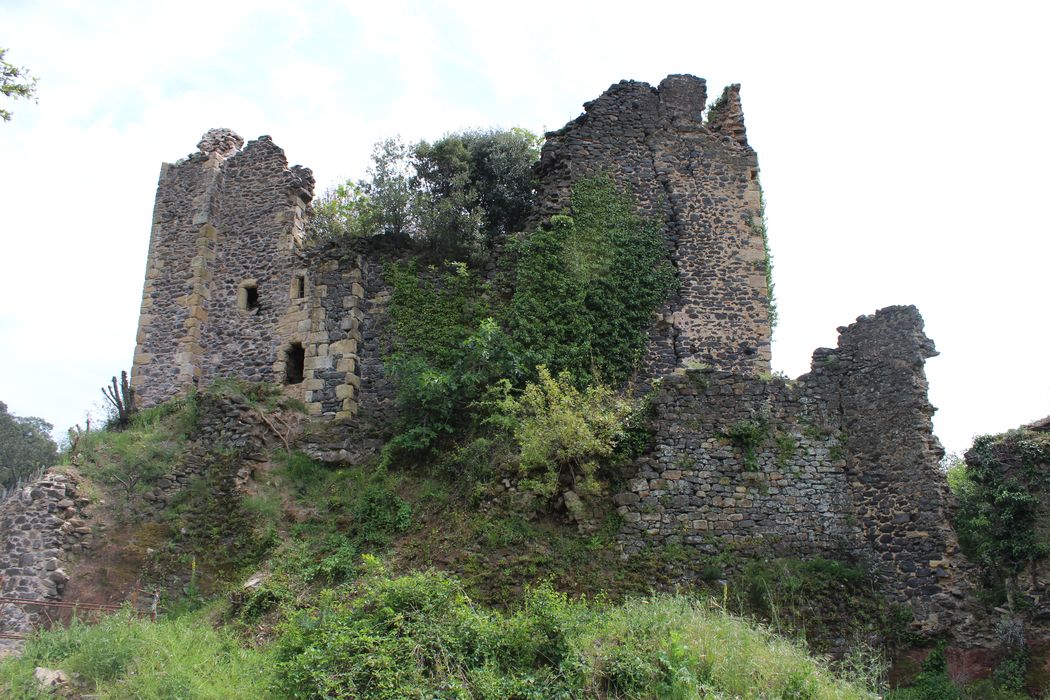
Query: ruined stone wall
(844,463)
(230,292)
(700,486)
(258,220)
(175,293)
(900,497)
(342,327)
(701,181)
(41,528)
(224,220)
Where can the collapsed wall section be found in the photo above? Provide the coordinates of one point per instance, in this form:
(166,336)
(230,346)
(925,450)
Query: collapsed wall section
(841,462)
(876,380)
(700,180)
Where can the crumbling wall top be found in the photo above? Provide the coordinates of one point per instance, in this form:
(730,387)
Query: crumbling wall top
(221,142)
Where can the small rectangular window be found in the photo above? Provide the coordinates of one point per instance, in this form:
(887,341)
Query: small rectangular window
(299,287)
(248,295)
(294,361)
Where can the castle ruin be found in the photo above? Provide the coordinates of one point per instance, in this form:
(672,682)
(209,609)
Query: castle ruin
(841,462)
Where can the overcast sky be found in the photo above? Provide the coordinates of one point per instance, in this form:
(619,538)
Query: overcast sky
(903,150)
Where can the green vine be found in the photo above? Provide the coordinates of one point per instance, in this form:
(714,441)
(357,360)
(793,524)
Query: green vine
(1003,519)
(585,288)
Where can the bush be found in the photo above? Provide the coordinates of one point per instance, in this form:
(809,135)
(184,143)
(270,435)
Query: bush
(565,434)
(420,636)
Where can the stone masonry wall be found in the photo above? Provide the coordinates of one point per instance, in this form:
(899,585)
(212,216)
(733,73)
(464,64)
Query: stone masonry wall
(40,528)
(229,291)
(259,220)
(844,463)
(699,487)
(225,220)
(701,181)
(341,327)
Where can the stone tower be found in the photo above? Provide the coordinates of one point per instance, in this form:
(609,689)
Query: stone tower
(222,270)
(700,179)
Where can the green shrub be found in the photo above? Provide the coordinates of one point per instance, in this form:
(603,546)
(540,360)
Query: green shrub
(748,436)
(563,432)
(420,636)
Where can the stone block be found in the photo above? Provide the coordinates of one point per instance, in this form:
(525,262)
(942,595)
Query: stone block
(318,362)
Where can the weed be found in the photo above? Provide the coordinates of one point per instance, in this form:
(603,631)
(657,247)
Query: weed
(748,436)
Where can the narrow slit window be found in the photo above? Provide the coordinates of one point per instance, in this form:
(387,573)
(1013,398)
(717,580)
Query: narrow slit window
(294,361)
(299,288)
(248,296)
(251,298)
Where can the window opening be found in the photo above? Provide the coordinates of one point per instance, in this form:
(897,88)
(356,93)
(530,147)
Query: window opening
(294,361)
(299,288)
(248,296)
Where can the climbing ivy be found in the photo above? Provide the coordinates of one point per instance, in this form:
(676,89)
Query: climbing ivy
(1003,519)
(586,287)
(446,351)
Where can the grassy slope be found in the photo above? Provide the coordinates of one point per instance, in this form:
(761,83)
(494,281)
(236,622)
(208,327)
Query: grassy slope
(309,528)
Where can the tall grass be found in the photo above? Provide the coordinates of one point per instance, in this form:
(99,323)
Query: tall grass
(125,657)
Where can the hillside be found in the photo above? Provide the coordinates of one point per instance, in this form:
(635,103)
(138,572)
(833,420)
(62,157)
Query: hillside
(454,594)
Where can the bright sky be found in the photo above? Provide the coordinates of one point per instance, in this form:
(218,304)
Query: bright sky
(903,148)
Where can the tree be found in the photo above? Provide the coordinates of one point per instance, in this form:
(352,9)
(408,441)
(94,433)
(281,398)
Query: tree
(476,186)
(15,82)
(342,212)
(391,190)
(455,196)
(25,446)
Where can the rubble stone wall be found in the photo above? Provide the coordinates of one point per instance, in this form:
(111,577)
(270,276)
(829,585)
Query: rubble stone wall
(41,528)
(841,462)
(230,291)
